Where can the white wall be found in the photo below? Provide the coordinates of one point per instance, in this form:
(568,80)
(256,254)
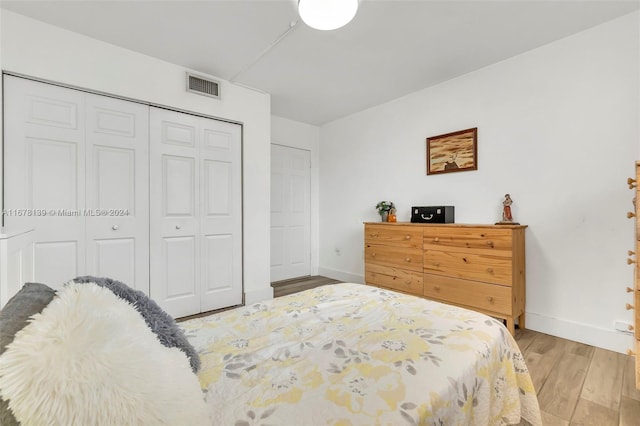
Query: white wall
(557,129)
(299,135)
(36,49)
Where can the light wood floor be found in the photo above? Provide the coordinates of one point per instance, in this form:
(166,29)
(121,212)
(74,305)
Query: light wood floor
(577,384)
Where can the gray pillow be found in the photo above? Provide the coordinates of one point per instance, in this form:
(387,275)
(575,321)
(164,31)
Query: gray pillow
(30,300)
(161,323)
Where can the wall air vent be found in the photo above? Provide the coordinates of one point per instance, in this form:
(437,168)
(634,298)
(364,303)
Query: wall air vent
(202,86)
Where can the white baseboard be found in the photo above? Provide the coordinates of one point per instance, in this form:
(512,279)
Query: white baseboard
(578,332)
(346,277)
(255,296)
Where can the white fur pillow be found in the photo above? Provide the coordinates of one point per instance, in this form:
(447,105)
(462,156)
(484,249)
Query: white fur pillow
(89,358)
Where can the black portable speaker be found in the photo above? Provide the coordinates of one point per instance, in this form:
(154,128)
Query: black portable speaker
(433,214)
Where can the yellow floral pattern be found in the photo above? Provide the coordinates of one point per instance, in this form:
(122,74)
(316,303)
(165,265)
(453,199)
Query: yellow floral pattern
(349,354)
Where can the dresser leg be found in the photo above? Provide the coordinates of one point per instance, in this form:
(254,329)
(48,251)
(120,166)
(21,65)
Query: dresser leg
(510,326)
(521,321)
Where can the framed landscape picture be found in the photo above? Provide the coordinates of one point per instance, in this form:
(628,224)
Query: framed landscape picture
(453,152)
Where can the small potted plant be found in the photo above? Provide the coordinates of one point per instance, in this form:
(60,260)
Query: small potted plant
(383,208)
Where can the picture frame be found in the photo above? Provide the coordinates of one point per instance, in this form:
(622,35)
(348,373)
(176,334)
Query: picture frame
(453,152)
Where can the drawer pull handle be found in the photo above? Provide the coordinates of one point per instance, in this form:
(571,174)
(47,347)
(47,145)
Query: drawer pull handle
(436,240)
(407,237)
(629,306)
(436,288)
(630,327)
(490,299)
(408,259)
(436,264)
(630,215)
(631,261)
(629,290)
(373,254)
(632,183)
(490,270)
(630,352)
(490,244)
(115,227)
(374,235)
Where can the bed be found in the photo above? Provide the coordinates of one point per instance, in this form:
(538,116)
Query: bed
(350,354)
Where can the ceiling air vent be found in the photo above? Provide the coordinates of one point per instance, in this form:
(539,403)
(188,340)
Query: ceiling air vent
(203,86)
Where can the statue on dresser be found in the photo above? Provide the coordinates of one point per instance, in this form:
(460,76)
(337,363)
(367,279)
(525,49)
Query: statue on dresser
(507,217)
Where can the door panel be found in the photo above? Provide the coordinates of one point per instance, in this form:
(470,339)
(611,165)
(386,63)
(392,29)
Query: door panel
(290,213)
(218,188)
(108,259)
(44,169)
(53,111)
(117,143)
(180,281)
(114,178)
(217,257)
(52,175)
(55,262)
(179,186)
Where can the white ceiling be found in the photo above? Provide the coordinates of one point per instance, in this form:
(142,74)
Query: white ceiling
(390,49)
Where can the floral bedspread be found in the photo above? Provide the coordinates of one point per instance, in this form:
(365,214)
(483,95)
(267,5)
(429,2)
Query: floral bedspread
(349,354)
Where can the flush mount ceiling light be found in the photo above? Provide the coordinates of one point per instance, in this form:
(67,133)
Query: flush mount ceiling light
(327,14)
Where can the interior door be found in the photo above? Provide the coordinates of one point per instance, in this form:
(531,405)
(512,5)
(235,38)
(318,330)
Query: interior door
(117,202)
(44,185)
(290,213)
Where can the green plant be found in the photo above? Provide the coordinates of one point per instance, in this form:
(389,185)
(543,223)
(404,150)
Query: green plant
(385,206)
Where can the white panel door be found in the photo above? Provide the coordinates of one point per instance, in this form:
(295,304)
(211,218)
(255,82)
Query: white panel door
(174,213)
(117,202)
(221,214)
(290,213)
(44,184)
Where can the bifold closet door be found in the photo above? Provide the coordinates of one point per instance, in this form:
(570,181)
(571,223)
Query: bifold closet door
(76,171)
(44,174)
(195,213)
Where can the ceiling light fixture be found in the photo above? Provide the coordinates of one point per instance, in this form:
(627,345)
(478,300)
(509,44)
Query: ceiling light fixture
(327,14)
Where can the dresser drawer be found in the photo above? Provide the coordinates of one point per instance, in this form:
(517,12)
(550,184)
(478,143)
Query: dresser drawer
(490,239)
(394,278)
(472,266)
(488,297)
(399,257)
(393,235)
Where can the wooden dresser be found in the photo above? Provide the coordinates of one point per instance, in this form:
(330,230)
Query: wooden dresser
(633,260)
(480,267)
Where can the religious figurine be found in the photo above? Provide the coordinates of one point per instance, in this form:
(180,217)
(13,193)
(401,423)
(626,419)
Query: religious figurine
(507,217)
(506,210)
